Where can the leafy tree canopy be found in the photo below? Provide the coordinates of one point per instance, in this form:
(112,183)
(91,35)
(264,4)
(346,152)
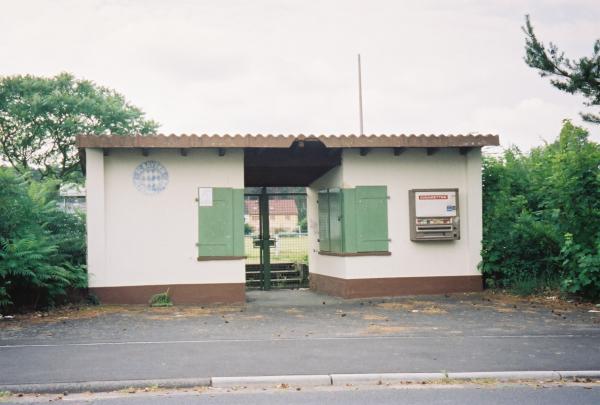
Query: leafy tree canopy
(40,117)
(580,76)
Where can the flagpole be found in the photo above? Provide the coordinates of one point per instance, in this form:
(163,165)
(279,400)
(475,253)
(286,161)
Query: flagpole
(360,102)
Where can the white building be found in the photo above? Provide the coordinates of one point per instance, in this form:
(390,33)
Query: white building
(387,215)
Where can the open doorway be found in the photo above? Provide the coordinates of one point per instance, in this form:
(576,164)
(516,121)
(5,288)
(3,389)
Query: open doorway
(275,237)
(276,229)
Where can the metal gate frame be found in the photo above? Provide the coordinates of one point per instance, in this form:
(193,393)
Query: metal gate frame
(265,241)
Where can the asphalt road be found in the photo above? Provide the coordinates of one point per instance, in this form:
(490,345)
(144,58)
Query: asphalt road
(145,360)
(463,395)
(309,334)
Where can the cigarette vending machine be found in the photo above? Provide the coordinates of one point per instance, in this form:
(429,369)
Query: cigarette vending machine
(434,214)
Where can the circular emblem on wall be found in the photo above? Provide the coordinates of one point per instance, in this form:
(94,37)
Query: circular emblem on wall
(150,177)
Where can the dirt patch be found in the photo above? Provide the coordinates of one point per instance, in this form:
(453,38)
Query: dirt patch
(503,309)
(424,307)
(251,317)
(188,312)
(379,329)
(89,312)
(550,301)
(374,317)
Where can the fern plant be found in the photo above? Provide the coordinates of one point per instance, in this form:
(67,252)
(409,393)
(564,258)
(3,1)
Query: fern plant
(42,249)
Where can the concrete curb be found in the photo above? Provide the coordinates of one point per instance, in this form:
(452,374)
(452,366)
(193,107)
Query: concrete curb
(507,375)
(297,380)
(390,378)
(385,378)
(272,381)
(104,386)
(579,374)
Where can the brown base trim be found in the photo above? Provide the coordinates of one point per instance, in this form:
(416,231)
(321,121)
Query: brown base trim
(392,286)
(321,252)
(207,258)
(180,293)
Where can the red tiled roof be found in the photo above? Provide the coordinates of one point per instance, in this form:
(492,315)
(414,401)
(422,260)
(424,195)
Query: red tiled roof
(276,207)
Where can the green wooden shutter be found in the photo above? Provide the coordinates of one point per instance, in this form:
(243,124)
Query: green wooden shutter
(238,222)
(371,219)
(335,220)
(349,220)
(221,226)
(324,240)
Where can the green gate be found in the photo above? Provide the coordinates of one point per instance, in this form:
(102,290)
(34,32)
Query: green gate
(275,237)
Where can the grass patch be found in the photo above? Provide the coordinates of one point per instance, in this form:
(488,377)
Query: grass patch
(525,286)
(291,249)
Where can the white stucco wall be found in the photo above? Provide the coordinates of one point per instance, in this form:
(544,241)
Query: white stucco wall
(327,265)
(139,239)
(411,169)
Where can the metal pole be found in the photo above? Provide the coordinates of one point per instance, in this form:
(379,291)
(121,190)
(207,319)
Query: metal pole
(360,103)
(265,239)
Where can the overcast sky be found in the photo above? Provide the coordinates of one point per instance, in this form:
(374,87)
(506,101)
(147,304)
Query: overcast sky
(264,66)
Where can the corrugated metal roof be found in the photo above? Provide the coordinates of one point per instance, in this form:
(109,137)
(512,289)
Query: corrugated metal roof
(284,141)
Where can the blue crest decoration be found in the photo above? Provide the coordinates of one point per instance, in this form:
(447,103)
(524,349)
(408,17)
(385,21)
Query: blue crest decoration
(150,177)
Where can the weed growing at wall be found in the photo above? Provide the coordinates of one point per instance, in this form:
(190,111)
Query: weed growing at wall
(161,300)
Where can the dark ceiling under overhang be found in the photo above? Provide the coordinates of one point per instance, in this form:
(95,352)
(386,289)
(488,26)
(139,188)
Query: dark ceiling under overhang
(298,165)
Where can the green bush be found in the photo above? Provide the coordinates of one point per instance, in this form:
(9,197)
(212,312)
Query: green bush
(541,216)
(303,225)
(42,249)
(582,266)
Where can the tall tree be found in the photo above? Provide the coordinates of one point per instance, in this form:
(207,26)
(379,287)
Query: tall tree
(40,117)
(580,76)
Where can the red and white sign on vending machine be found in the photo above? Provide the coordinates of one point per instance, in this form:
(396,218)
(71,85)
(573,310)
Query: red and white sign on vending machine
(435,204)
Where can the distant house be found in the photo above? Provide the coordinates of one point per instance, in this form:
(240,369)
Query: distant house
(72,197)
(283,215)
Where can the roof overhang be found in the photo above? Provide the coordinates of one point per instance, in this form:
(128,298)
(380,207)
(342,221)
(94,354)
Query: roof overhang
(285,141)
(285,160)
